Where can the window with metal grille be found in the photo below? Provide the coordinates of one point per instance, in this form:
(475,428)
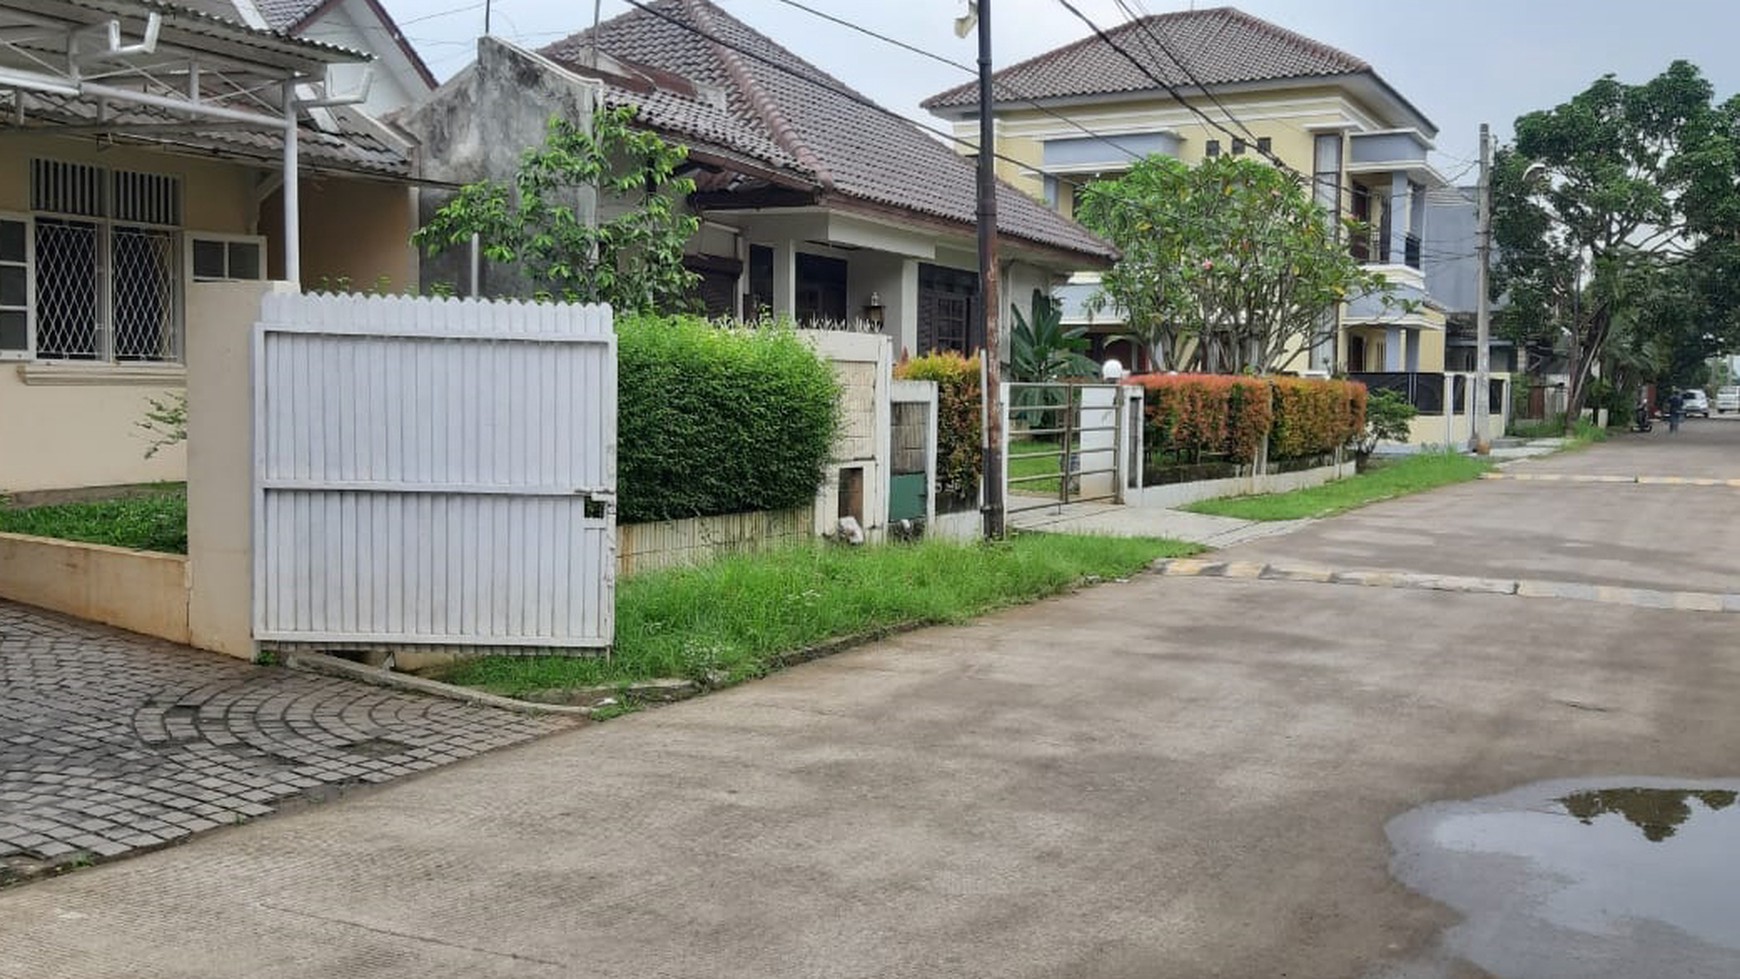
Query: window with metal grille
(14,286)
(1213,148)
(106,263)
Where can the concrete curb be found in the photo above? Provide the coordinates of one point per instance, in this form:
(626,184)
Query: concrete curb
(333,666)
(1646,598)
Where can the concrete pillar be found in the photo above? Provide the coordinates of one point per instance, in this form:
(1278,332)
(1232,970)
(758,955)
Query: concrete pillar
(784,279)
(1394,338)
(905,311)
(220,463)
(1401,204)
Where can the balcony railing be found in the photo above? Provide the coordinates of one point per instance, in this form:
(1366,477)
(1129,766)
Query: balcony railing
(1374,249)
(1425,390)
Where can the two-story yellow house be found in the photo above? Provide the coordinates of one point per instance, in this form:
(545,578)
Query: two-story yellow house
(1083,111)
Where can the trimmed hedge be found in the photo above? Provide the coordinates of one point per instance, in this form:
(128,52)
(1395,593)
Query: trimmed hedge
(715,420)
(1315,417)
(1196,415)
(960,449)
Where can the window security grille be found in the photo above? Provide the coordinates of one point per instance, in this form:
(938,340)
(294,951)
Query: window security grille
(107,262)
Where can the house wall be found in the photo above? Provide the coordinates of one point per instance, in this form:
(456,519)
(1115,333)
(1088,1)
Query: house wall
(478,125)
(216,196)
(352,24)
(75,425)
(355,231)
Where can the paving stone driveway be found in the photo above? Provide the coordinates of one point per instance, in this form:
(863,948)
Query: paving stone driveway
(112,742)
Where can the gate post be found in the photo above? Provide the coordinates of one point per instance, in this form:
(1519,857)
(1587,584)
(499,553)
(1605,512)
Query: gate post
(220,463)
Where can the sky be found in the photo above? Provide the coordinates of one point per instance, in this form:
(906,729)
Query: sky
(1462,64)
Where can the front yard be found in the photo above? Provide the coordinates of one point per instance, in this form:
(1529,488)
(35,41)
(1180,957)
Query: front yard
(743,616)
(154,519)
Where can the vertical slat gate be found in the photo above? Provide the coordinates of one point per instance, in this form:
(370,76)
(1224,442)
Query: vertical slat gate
(434,472)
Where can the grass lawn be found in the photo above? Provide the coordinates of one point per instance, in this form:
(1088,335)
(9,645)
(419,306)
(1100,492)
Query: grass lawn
(154,521)
(1385,479)
(1049,464)
(737,618)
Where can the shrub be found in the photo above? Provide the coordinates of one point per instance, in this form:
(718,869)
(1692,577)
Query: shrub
(1315,417)
(960,440)
(718,420)
(1388,418)
(1192,415)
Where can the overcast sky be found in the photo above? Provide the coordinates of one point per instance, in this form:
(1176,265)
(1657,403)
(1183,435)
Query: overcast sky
(1462,63)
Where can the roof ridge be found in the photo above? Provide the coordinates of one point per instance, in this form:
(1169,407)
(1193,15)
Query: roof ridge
(783,132)
(1139,29)
(1320,47)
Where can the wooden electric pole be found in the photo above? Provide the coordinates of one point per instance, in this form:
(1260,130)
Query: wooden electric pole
(993,474)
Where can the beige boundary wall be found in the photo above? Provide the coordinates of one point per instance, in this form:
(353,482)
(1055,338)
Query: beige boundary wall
(141,591)
(687,543)
(1171,495)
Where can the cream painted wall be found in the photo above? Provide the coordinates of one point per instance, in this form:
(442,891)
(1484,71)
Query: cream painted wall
(351,229)
(76,425)
(216,196)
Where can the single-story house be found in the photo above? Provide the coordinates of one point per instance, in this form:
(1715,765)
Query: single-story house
(142,149)
(816,203)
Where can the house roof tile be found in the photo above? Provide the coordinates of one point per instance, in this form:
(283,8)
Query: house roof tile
(779,109)
(1220,46)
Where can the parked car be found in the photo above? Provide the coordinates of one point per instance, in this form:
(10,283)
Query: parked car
(1696,403)
(1727,399)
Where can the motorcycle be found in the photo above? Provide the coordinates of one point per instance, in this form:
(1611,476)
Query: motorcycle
(1640,419)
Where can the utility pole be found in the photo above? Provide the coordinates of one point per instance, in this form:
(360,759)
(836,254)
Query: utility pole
(993,475)
(1482,441)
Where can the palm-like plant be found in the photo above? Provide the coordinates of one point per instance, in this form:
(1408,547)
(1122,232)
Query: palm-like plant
(1041,348)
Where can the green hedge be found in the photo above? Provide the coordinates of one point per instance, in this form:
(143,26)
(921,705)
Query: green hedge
(1195,415)
(713,420)
(960,440)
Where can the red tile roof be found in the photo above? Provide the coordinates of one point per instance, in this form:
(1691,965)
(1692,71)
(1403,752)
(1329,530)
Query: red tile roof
(794,118)
(1220,46)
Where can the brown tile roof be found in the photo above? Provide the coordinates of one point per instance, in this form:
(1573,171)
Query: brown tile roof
(778,109)
(1221,46)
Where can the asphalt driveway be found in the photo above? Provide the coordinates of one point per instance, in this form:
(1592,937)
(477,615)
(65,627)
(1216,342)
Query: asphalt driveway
(1165,777)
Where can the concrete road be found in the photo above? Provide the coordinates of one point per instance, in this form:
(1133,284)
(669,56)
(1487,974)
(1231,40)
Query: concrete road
(1650,535)
(1167,777)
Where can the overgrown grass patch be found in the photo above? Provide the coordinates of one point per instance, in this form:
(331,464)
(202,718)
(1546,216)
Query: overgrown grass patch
(155,521)
(1384,480)
(736,619)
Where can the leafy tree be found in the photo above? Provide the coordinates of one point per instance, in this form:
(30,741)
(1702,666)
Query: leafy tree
(1615,216)
(1228,266)
(634,260)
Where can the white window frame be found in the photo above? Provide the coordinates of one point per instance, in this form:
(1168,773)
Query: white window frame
(189,237)
(29,351)
(105,270)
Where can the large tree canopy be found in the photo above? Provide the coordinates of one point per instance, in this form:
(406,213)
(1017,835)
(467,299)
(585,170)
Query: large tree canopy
(1227,266)
(1615,216)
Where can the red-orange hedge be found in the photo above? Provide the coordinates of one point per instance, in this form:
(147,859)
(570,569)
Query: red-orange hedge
(1191,415)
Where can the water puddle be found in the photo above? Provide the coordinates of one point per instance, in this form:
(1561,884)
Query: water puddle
(1616,877)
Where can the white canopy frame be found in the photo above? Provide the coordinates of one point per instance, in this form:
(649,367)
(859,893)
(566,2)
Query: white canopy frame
(204,72)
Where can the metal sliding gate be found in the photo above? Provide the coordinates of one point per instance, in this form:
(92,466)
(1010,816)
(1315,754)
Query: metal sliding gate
(1065,443)
(432,472)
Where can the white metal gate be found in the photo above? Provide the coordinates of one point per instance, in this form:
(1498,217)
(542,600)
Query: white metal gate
(1065,442)
(434,472)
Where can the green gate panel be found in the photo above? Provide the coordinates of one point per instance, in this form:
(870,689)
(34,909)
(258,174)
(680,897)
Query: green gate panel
(906,496)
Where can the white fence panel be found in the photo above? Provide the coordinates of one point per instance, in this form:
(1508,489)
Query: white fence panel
(434,472)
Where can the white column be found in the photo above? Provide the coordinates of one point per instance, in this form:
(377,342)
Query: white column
(1394,337)
(784,280)
(292,188)
(1413,358)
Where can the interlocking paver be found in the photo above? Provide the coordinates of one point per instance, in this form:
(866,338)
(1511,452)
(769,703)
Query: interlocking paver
(111,742)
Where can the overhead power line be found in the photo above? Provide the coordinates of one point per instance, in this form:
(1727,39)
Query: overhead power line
(823,84)
(969,69)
